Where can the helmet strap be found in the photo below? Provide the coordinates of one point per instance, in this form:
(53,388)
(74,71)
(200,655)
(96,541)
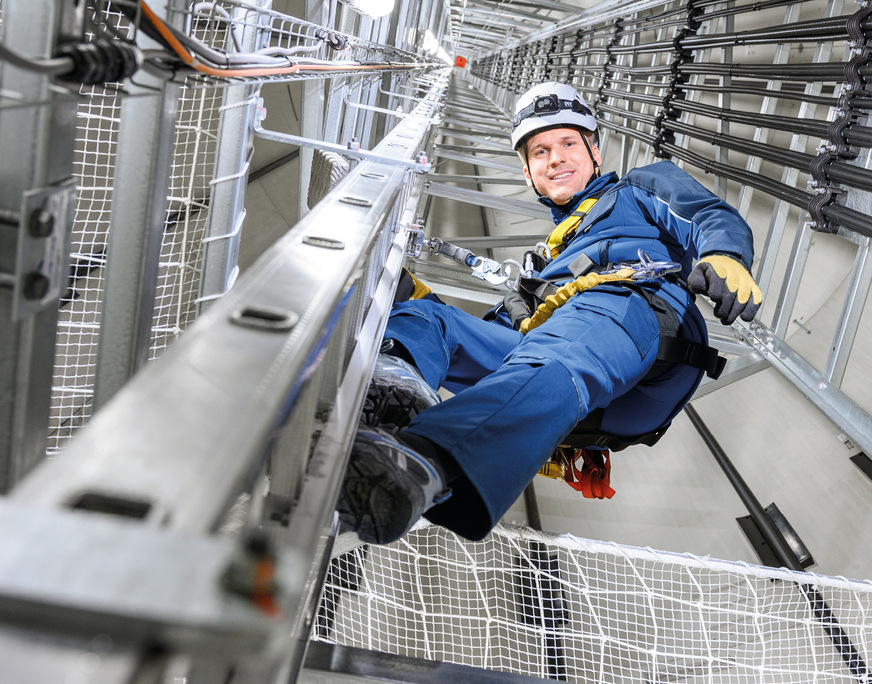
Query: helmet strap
(596,167)
(527,164)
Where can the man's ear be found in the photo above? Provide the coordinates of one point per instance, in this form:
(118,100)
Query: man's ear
(528,177)
(595,153)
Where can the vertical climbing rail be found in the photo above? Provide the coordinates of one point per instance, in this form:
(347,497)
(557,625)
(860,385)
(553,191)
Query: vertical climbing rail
(195,508)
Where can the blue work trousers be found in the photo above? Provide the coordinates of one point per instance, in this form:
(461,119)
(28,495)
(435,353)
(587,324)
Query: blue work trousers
(517,396)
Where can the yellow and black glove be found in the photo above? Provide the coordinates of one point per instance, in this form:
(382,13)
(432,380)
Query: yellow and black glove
(410,287)
(728,284)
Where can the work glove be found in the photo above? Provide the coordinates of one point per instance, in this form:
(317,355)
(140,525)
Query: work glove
(517,308)
(728,284)
(410,287)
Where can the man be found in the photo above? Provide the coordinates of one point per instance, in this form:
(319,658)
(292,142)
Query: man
(606,359)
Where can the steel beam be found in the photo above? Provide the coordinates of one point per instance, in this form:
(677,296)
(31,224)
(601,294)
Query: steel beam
(831,401)
(138,216)
(473,159)
(477,140)
(484,199)
(37,138)
(485,180)
(848,324)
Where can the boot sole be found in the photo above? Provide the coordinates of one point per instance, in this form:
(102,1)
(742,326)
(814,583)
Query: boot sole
(376,500)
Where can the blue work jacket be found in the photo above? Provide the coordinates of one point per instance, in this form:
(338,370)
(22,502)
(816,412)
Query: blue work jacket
(659,209)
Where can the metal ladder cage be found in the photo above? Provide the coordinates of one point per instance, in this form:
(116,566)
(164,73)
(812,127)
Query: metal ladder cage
(771,100)
(198,250)
(270,373)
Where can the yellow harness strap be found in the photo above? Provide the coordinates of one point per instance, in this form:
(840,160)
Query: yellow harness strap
(570,289)
(561,236)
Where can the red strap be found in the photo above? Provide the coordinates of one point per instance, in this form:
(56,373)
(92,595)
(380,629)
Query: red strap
(593,478)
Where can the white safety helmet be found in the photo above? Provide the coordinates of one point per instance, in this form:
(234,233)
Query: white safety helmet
(550,105)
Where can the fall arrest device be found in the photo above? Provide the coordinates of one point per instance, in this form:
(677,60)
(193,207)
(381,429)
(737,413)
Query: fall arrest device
(495,273)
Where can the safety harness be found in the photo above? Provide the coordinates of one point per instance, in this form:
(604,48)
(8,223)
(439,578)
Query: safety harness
(563,234)
(587,443)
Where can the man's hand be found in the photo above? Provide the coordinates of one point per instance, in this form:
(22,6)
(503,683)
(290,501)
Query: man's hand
(729,285)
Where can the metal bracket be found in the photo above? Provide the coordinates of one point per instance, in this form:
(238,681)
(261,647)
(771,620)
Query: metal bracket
(42,259)
(767,557)
(134,581)
(415,239)
(354,153)
(432,121)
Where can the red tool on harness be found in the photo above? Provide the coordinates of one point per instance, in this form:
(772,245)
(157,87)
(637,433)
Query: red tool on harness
(593,478)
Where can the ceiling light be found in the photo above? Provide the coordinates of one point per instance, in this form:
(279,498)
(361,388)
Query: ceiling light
(371,8)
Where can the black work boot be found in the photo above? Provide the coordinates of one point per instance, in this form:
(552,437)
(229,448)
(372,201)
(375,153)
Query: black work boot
(396,394)
(387,487)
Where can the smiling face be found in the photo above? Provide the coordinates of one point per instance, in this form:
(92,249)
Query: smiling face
(558,163)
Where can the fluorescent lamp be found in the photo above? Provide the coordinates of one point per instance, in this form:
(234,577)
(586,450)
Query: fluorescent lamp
(371,8)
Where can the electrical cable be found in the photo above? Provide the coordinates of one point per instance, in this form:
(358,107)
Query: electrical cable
(813,30)
(97,61)
(772,187)
(179,45)
(777,155)
(51,65)
(808,72)
(742,9)
(630,96)
(638,76)
(764,92)
(649,119)
(788,124)
(850,219)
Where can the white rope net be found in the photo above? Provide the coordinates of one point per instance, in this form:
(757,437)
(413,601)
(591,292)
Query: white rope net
(187,214)
(577,610)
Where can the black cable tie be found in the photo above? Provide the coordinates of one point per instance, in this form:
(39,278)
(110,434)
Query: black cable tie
(100,61)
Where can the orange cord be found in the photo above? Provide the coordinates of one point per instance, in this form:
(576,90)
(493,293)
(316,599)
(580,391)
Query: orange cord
(191,61)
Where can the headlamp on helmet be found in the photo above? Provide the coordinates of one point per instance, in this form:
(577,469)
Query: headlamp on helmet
(550,105)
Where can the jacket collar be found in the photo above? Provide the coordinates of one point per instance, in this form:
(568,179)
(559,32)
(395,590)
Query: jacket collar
(597,186)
